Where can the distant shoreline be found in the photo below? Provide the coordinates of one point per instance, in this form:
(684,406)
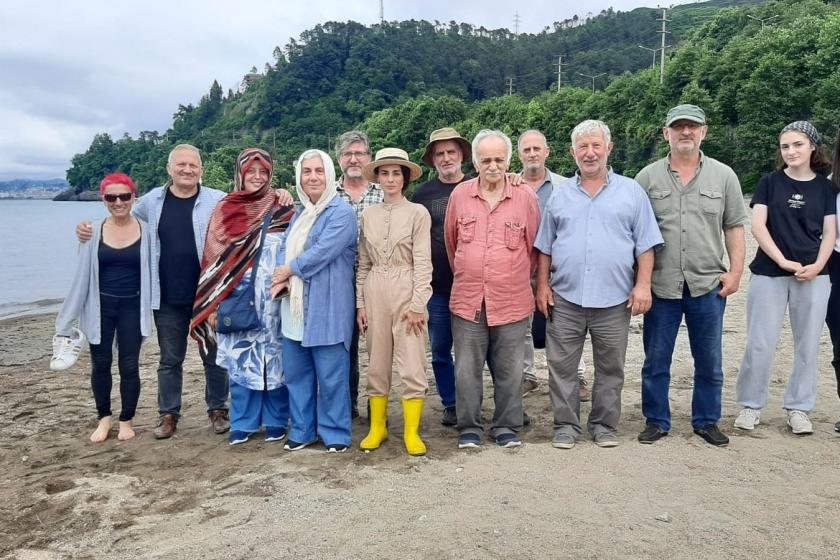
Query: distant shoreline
(43,306)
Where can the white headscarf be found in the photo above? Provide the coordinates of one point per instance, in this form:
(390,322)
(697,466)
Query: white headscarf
(299,232)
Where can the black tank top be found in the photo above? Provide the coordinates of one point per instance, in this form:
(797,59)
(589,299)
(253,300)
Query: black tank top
(119,270)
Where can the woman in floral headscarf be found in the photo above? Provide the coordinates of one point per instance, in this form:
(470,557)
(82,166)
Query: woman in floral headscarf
(235,243)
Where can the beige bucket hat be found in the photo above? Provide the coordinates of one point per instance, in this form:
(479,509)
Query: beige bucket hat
(390,156)
(446,134)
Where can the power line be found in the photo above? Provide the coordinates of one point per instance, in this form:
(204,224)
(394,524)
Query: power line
(509,85)
(516,21)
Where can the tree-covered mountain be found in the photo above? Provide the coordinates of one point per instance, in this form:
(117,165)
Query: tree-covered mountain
(400,80)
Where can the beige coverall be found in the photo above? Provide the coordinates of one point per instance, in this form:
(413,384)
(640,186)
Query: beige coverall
(394,275)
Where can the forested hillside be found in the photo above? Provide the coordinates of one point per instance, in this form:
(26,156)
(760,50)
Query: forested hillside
(400,80)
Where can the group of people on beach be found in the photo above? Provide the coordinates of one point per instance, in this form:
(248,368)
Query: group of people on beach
(483,268)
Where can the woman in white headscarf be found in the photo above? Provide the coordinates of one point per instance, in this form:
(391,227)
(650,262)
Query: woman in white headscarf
(315,277)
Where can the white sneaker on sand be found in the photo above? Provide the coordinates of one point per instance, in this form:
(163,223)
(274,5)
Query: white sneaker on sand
(748,418)
(66,350)
(799,422)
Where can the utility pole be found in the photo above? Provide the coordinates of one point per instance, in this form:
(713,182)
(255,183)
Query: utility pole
(593,78)
(509,85)
(560,71)
(762,21)
(516,21)
(663,32)
(381,12)
(652,64)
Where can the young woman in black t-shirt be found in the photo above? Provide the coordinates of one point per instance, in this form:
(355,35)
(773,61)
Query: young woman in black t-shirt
(793,220)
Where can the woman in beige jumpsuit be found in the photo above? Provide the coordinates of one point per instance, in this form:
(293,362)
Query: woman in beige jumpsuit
(393,285)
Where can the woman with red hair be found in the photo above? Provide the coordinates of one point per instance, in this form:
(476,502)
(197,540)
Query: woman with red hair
(246,231)
(111,298)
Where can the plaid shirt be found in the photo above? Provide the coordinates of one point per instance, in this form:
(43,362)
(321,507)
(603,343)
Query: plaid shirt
(373,195)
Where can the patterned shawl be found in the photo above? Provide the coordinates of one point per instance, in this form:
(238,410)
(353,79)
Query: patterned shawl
(233,237)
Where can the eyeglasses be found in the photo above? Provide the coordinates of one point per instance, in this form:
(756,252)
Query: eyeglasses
(125,197)
(357,155)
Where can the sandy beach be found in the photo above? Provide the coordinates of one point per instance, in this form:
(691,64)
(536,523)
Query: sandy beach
(769,494)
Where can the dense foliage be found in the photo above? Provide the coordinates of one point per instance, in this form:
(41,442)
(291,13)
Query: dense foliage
(399,81)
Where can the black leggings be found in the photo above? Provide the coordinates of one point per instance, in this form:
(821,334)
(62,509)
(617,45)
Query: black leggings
(120,315)
(832,316)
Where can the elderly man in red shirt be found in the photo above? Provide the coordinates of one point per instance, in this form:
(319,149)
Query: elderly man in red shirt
(489,231)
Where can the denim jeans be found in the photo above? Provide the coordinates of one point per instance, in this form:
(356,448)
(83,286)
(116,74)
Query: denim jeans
(704,323)
(173,324)
(440,341)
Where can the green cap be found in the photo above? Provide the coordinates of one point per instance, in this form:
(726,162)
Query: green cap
(685,112)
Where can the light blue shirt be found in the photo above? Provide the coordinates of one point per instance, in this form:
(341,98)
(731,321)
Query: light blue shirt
(594,241)
(149,207)
(544,192)
(326,267)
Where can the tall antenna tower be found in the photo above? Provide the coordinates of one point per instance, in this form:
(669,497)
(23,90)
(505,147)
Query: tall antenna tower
(516,21)
(381,12)
(560,65)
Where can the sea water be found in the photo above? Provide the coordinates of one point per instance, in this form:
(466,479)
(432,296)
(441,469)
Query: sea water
(39,252)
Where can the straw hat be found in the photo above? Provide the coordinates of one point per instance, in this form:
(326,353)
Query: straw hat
(446,134)
(390,156)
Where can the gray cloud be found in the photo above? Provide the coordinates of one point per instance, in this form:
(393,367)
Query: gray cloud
(71,69)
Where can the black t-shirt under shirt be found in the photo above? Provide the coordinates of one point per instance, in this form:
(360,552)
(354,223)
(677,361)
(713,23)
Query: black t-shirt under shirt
(179,265)
(119,270)
(434,196)
(795,214)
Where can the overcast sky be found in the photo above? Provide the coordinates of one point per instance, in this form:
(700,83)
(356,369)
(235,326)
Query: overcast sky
(70,69)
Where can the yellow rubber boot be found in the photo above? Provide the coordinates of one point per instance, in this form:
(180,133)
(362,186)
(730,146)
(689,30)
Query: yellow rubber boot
(412,412)
(378,418)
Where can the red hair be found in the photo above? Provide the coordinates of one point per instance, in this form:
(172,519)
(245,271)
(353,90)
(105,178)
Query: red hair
(117,179)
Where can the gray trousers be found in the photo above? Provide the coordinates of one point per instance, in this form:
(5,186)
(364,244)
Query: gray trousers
(529,371)
(565,335)
(806,303)
(506,349)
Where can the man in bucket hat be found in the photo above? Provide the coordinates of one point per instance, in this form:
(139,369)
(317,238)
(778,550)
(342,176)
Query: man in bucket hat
(700,209)
(446,152)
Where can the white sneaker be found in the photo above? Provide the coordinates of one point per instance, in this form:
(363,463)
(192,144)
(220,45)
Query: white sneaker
(66,350)
(748,418)
(799,422)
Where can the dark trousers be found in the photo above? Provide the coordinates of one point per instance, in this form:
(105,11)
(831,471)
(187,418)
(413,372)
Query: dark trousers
(120,316)
(173,324)
(832,315)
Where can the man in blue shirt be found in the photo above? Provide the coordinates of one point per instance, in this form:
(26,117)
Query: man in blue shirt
(596,241)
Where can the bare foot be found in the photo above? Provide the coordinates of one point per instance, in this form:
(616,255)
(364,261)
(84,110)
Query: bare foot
(126,431)
(102,431)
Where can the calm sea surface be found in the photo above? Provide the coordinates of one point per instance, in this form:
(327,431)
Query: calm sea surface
(38,252)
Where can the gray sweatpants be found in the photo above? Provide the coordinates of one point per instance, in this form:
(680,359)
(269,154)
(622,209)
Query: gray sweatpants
(565,335)
(768,298)
(505,343)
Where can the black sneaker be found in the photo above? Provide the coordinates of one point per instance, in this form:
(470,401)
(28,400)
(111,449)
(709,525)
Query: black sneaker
(292,445)
(837,426)
(712,435)
(469,441)
(652,433)
(449,417)
(508,440)
(336,448)
(526,420)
